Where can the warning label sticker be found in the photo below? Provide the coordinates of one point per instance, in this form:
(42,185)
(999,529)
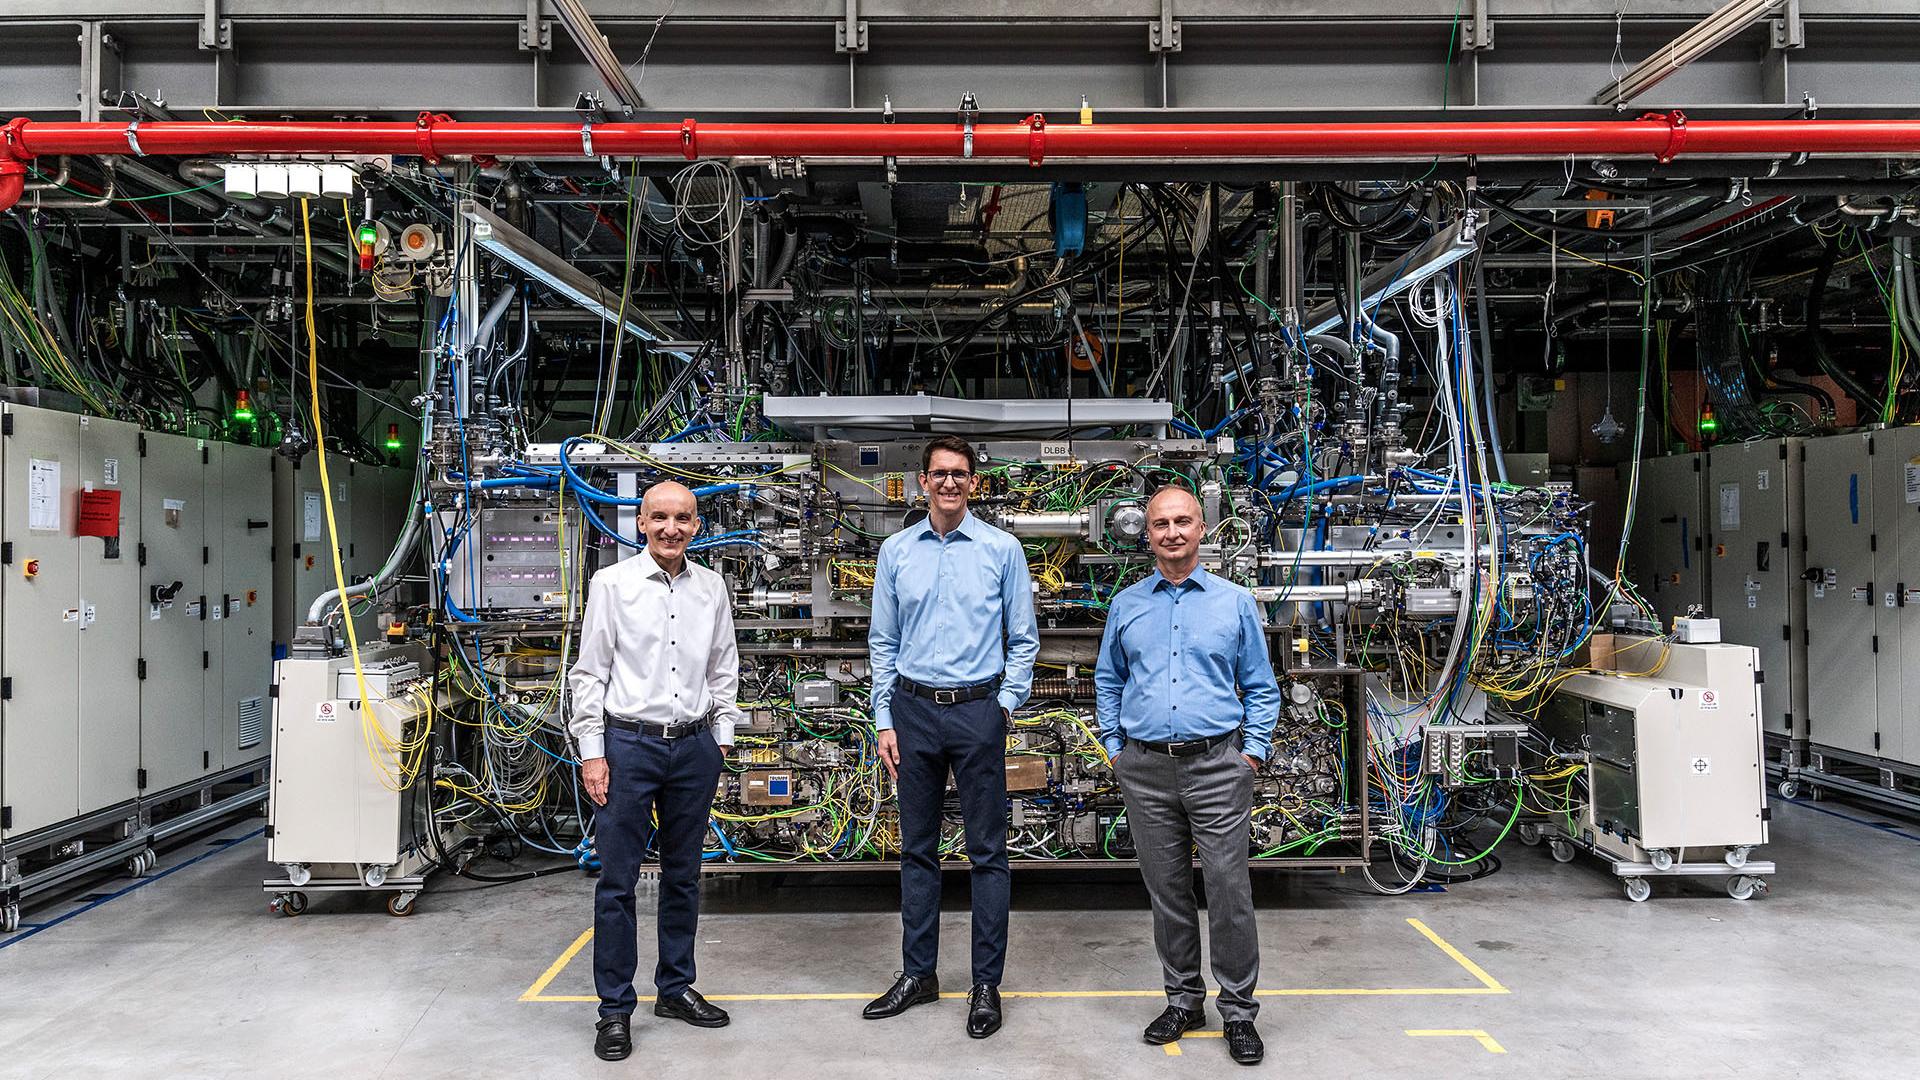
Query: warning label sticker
(326,710)
(1701,766)
(1709,699)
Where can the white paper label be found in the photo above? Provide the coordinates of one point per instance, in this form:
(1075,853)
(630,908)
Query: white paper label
(1753,601)
(1913,480)
(87,619)
(170,510)
(72,614)
(219,610)
(1763,479)
(1819,592)
(43,495)
(153,612)
(110,470)
(1730,506)
(1890,599)
(1860,593)
(193,610)
(328,711)
(1701,766)
(313,520)
(1709,699)
(1055,452)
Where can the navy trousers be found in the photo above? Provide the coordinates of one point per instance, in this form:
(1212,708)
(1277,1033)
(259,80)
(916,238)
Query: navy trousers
(970,739)
(675,778)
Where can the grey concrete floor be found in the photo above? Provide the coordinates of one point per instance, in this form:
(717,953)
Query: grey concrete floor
(189,976)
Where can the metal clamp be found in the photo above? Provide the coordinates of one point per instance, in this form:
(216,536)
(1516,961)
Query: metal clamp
(969,115)
(689,148)
(133,138)
(1676,134)
(1036,139)
(586,138)
(423,134)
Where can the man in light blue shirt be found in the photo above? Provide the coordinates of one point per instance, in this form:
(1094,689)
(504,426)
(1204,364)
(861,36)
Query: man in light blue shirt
(952,645)
(1187,702)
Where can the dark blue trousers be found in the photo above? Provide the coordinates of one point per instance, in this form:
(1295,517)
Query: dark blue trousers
(675,778)
(970,739)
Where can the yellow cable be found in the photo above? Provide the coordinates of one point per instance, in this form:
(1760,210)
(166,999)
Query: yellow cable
(326,485)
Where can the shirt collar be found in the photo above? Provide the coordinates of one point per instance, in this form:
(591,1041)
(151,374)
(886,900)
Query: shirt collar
(1199,579)
(657,572)
(968,528)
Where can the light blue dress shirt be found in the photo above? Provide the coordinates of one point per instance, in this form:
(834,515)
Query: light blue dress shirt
(1172,658)
(952,611)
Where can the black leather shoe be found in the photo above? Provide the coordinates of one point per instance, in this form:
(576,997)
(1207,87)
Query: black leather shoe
(983,1010)
(1244,1043)
(908,991)
(614,1038)
(688,1005)
(1175,1022)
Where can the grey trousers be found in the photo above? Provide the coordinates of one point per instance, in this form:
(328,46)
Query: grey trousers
(1175,806)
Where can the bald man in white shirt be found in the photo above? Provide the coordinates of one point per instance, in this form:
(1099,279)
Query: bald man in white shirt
(654,710)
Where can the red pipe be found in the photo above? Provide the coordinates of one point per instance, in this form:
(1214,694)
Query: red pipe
(1659,136)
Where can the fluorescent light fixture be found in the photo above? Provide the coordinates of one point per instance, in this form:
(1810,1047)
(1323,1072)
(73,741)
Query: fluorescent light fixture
(1449,246)
(537,261)
(1696,41)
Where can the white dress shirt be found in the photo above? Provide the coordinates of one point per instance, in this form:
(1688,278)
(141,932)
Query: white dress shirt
(657,648)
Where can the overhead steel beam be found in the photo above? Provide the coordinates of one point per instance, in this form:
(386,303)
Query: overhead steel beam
(1703,37)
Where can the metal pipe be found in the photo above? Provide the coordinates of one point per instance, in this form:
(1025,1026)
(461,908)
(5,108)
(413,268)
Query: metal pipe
(1033,140)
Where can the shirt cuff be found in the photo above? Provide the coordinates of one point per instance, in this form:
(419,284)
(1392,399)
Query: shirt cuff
(1114,747)
(592,746)
(883,721)
(1008,699)
(723,732)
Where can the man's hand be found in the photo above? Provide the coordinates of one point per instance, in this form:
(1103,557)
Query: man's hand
(1252,762)
(726,752)
(594,773)
(890,753)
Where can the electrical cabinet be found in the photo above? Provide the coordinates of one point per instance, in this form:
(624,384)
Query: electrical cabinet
(1666,552)
(174,656)
(241,606)
(302,567)
(1756,561)
(110,616)
(40,615)
(1843,620)
(1896,471)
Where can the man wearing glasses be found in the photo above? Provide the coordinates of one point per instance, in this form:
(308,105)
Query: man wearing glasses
(952,645)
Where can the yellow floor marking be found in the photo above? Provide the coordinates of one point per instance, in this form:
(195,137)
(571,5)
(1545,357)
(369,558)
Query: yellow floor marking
(1173,1048)
(1473,969)
(1481,1037)
(1488,984)
(554,969)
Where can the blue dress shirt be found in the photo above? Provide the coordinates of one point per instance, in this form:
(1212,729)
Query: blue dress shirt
(952,611)
(1172,657)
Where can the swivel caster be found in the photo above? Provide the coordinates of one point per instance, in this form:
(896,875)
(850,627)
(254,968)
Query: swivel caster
(374,874)
(1742,887)
(1661,858)
(1562,851)
(1737,856)
(9,918)
(1638,889)
(401,905)
(289,904)
(1789,789)
(298,874)
(1530,834)
(137,864)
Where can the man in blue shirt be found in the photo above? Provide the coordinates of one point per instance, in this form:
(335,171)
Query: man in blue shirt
(952,645)
(1181,649)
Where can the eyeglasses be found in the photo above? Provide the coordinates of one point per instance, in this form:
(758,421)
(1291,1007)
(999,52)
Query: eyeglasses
(955,477)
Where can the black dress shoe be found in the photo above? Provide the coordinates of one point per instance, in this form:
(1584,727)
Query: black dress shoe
(1175,1022)
(1244,1043)
(614,1038)
(688,1005)
(909,991)
(983,1010)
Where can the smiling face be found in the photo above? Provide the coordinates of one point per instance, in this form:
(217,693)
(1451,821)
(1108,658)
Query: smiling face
(1175,526)
(949,482)
(669,517)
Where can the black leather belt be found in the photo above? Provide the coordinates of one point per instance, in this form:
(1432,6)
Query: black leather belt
(950,696)
(1183,749)
(660,730)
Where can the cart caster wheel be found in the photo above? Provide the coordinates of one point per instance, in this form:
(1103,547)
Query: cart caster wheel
(1743,887)
(1638,889)
(9,918)
(291,904)
(1789,789)
(401,905)
(1661,858)
(1817,794)
(1562,851)
(1737,856)
(1530,835)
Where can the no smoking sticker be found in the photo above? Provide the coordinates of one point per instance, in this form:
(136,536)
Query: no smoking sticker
(327,710)
(1709,699)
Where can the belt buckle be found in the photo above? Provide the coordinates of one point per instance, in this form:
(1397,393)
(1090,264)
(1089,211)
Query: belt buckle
(946,697)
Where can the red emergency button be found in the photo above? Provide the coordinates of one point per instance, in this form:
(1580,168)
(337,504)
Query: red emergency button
(32,569)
